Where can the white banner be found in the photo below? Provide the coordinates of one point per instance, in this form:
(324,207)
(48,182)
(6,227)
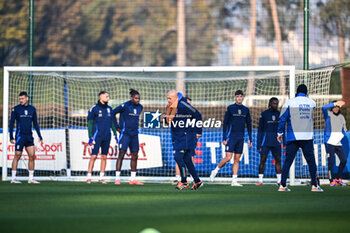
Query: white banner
(150,154)
(50,155)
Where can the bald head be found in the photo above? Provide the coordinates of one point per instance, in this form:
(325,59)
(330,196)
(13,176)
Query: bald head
(172,93)
(172,97)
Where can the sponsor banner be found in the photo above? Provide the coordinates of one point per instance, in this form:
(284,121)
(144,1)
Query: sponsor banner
(210,151)
(156,147)
(49,155)
(150,154)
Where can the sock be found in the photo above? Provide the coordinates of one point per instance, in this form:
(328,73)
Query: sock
(133,176)
(117,175)
(178,177)
(102,174)
(278,178)
(234,178)
(31,175)
(14,174)
(217,169)
(89,175)
(261,178)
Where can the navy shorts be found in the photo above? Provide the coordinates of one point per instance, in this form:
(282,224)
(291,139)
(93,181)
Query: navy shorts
(275,150)
(24,141)
(234,145)
(126,141)
(102,143)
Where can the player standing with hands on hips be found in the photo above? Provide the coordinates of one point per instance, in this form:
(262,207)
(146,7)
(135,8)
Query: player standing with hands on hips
(25,115)
(297,113)
(100,123)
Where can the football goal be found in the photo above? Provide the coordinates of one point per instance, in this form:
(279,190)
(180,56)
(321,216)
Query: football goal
(62,97)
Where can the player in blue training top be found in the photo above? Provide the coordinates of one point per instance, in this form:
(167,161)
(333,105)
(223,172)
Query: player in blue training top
(297,113)
(267,139)
(185,132)
(333,134)
(237,117)
(130,112)
(100,122)
(24,115)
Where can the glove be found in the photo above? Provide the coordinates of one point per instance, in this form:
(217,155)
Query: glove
(116,139)
(91,141)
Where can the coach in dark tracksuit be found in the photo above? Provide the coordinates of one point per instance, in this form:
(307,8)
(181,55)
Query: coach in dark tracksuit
(267,139)
(179,114)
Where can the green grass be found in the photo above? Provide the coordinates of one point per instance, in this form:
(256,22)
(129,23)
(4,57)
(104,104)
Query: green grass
(78,207)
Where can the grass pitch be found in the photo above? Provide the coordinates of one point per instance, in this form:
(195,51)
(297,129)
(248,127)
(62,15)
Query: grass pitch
(79,207)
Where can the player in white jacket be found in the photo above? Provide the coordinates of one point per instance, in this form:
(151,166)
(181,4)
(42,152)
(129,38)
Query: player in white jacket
(297,113)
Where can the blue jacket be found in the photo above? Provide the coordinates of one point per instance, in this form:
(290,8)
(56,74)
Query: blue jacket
(129,117)
(103,118)
(24,116)
(267,130)
(235,121)
(184,127)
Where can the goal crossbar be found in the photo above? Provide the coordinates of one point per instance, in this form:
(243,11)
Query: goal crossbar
(7,69)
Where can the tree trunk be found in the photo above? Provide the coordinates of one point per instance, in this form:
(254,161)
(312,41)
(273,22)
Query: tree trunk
(253,62)
(341,48)
(181,45)
(253,33)
(341,44)
(302,12)
(279,43)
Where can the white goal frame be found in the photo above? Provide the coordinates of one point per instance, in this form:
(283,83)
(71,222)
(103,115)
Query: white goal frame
(8,69)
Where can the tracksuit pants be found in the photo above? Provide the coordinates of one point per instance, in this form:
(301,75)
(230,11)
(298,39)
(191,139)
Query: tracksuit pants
(307,147)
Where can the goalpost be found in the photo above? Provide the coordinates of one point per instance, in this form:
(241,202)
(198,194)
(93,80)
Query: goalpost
(63,95)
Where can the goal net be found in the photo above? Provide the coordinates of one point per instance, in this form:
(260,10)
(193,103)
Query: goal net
(63,96)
